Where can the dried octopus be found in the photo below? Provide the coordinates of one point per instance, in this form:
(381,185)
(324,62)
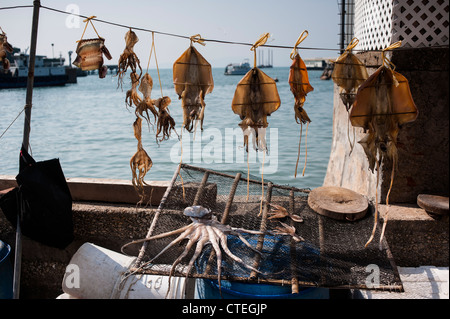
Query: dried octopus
(205,229)
(128,59)
(5,47)
(132,96)
(140,163)
(383,104)
(300,87)
(165,123)
(146,104)
(192,78)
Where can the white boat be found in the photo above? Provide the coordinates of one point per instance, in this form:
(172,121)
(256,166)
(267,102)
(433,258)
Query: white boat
(238,68)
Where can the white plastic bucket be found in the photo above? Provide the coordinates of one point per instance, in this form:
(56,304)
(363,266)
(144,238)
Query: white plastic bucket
(96,273)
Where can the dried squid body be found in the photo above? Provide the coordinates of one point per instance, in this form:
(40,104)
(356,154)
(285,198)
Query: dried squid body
(383,103)
(255,98)
(90,55)
(348,73)
(300,87)
(5,48)
(192,78)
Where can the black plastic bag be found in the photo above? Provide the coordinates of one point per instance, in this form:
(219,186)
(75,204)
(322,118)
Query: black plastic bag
(43,202)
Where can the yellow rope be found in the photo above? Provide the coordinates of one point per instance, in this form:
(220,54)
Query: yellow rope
(87,20)
(376,208)
(300,39)
(386,61)
(262,184)
(353,43)
(306,148)
(261,41)
(181,161)
(385,217)
(299,145)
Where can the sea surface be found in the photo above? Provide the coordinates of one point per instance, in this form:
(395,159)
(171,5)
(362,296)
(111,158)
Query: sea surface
(89,128)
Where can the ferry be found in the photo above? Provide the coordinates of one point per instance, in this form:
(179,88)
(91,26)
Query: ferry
(47,71)
(238,68)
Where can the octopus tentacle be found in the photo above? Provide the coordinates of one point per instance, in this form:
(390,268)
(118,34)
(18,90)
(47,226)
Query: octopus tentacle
(213,238)
(191,242)
(224,245)
(159,236)
(186,233)
(198,249)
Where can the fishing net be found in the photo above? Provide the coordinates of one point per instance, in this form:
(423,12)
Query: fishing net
(332,254)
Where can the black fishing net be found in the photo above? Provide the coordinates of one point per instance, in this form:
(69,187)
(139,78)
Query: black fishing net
(331,254)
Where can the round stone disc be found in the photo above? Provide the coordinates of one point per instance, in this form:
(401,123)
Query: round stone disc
(433,204)
(338,203)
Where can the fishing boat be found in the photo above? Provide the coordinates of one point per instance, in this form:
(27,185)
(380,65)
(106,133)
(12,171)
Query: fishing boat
(238,68)
(48,71)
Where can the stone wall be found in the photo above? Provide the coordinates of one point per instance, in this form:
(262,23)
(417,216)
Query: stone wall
(423,145)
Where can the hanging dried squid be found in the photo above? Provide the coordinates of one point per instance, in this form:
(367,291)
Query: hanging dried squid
(90,52)
(192,78)
(300,87)
(5,48)
(383,104)
(256,97)
(128,59)
(348,74)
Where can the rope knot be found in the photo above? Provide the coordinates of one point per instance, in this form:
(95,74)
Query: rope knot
(300,39)
(198,39)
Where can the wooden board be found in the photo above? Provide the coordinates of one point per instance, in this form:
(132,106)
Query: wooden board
(338,203)
(433,204)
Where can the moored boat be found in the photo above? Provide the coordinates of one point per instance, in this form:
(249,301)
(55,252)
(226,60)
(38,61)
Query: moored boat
(238,68)
(48,71)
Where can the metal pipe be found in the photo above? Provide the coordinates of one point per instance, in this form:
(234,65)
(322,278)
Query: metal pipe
(342,26)
(26,139)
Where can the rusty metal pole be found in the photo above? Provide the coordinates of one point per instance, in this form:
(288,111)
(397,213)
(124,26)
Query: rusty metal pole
(26,139)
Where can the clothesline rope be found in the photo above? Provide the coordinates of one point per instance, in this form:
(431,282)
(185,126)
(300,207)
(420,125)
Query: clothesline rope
(172,34)
(189,37)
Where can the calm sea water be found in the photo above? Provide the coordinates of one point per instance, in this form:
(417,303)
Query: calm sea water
(88,127)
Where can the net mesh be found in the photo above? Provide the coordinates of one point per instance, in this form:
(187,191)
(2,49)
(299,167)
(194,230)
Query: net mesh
(331,255)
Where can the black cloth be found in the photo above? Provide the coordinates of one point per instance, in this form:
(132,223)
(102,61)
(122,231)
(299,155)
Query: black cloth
(42,201)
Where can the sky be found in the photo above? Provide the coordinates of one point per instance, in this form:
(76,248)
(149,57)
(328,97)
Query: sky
(228,20)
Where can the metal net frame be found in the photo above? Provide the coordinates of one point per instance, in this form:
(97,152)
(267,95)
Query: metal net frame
(332,254)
